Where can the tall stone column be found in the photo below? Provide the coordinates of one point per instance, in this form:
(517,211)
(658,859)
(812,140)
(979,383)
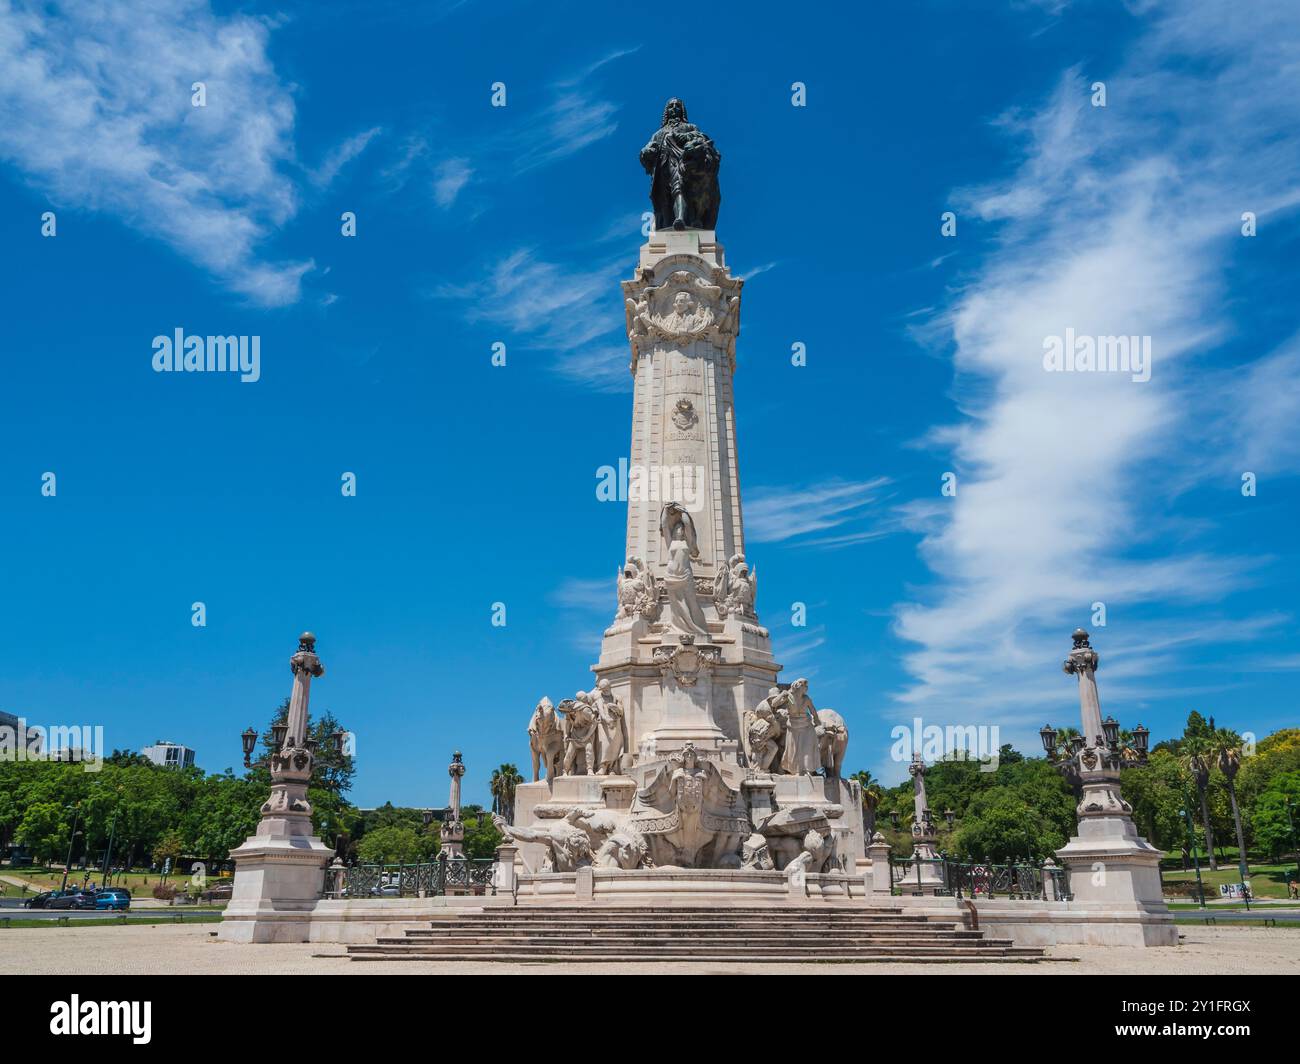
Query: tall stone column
(452,832)
(686,657)
(924,876)
(279,870)
(1110,864)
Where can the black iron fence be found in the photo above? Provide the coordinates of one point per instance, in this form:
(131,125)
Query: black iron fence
(429,879)
(948,877)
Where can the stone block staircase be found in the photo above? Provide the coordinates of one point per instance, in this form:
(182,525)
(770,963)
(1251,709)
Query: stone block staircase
(574,934)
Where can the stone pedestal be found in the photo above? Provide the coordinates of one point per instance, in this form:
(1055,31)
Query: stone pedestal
(1111,865)
(277,878)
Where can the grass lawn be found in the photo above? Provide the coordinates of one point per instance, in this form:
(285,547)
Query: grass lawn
(138,883)
(195,917)
(1266,880)
(1228,921)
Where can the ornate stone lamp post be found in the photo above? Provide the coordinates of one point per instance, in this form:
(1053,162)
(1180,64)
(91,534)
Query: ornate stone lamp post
(279,870)
(452,832)
(925,876)
(1095,756)
(1111,866)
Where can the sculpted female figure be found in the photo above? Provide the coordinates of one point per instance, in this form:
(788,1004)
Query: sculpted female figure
(802,755)
(678,531)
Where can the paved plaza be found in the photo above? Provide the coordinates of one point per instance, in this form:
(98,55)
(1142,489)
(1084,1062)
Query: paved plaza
(167,949)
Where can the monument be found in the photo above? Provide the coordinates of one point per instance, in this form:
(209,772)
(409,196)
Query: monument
(687,753)
(279,869)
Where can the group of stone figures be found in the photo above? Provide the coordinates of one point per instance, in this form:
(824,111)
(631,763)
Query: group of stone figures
(686,816)
(785,732)
(734,589)
(583,735)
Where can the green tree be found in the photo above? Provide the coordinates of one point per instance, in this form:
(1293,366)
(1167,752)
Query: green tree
(393,845)
(505,780)
(45,829)
(1274,833)
(1197,752)
(1004,825)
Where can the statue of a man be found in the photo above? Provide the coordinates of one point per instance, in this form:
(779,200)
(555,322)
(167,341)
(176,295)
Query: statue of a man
(684,165)
(613,728)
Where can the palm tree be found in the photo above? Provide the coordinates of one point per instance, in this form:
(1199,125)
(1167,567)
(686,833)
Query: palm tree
(872,796)
(1069,770)
(1226,744)
(1197,751)
(504,781)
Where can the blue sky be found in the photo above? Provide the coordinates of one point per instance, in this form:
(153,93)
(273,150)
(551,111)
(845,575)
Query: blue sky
(476,484)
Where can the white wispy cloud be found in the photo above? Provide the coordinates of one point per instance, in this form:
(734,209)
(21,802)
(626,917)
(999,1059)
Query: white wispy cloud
(591,595)
(556,309)
(340,155)
(451,176)
(776,514)
(96,99)
(748,274)
(1117,221)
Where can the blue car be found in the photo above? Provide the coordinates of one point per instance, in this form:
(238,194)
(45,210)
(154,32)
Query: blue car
(117,898)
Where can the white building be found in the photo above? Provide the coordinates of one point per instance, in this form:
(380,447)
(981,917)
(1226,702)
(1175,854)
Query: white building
(169,754)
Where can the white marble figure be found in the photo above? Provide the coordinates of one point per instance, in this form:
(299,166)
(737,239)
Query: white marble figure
(638,593)
(689,816)
(568,845)
(801,756)
(763,734)
(613,729)
(755,855)
(817,855)
(678,531)
(736,588)
(580,729)
(614,842)
(545,740)
(833,740)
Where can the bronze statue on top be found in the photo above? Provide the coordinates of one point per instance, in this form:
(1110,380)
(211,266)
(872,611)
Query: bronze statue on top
(684,165)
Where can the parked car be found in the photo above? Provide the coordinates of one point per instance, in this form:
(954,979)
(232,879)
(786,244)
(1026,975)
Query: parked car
(114,898)
(72,899)
(41,900)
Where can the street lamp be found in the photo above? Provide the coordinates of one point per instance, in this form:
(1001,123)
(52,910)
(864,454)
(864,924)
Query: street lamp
(1290,823)
(67,864)
(1191,845)
(278,732)
(249,739)
(949,816)
(1048,734)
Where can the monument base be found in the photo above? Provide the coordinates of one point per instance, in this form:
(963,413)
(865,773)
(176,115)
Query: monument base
(278,878)
(1114,867)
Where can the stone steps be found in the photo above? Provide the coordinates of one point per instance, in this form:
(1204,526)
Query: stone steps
(547,935)
(766,954)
